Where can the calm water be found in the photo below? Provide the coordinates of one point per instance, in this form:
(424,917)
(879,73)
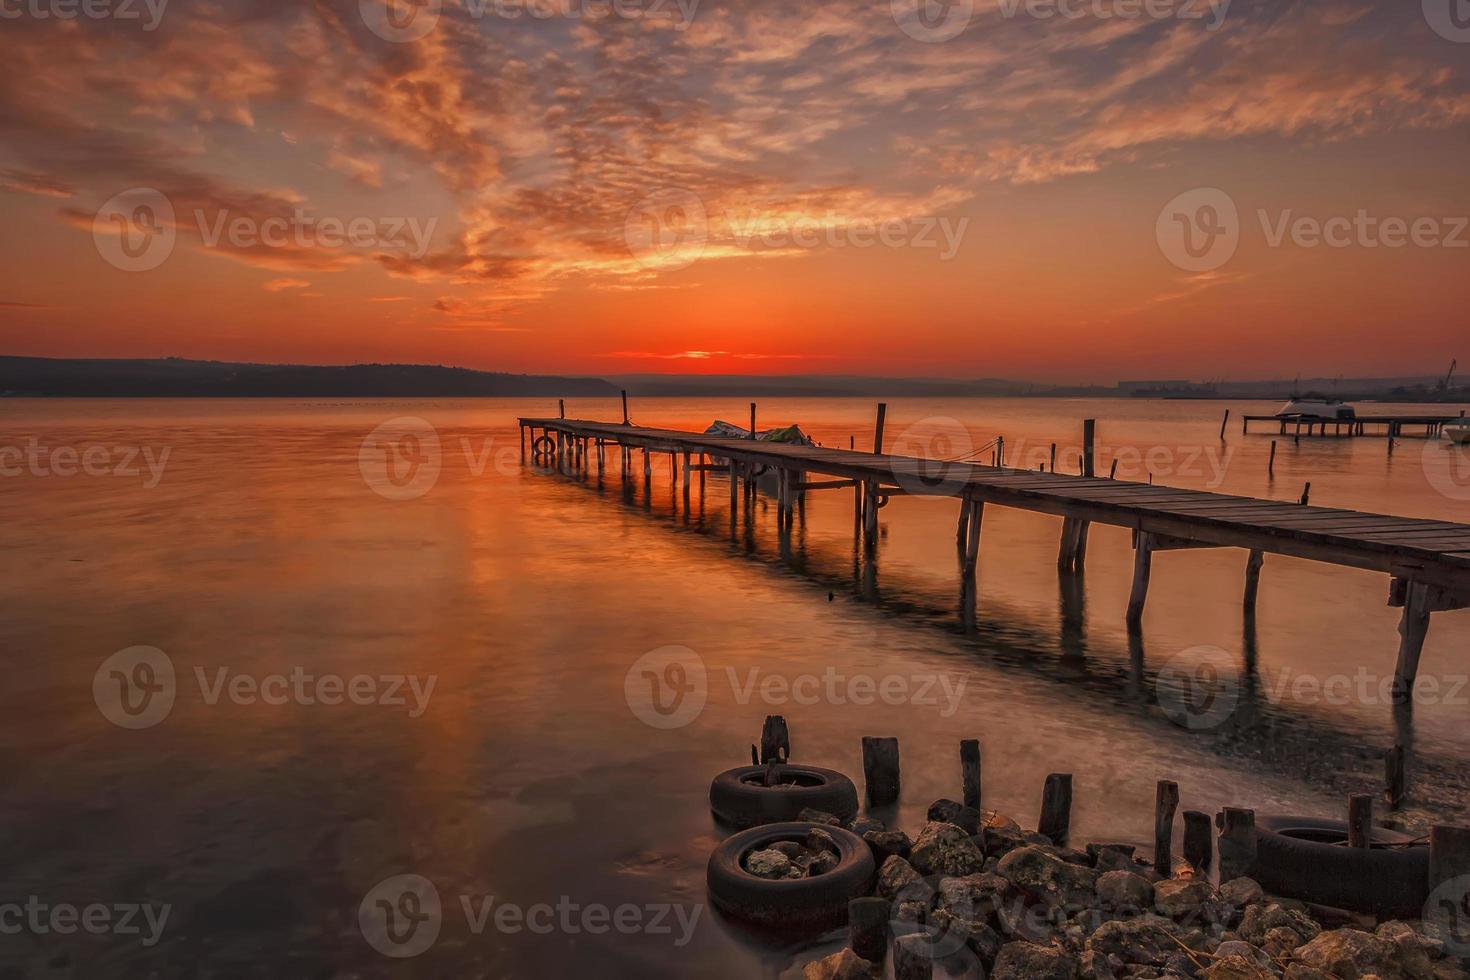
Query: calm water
(257,547)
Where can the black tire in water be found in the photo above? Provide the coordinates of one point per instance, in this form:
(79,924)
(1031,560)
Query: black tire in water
(543,446)
(801,904)
(741,798)
(1307,858)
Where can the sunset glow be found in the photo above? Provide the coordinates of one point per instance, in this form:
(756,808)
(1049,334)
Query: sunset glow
(751,187)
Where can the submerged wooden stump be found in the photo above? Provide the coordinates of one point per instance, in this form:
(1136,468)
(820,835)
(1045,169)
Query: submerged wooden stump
(880,769)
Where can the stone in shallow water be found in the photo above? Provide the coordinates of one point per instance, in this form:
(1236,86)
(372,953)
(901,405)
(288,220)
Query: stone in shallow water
(1144,942)
(862,825)
(1048,878)
(809,815)
(896,876)
(1350,954)
(1124,891)
(1179,898)
(885,843)
(1241,892)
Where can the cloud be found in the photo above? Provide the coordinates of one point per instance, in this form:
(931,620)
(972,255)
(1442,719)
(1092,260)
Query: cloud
(280,285)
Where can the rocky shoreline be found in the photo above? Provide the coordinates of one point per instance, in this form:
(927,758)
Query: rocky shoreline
(964,900)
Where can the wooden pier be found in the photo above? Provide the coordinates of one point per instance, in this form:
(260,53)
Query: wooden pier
(1391,426)
(1428,562)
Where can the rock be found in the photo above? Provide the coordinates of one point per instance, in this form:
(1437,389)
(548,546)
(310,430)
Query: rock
(1237,968)
(1416,951)
(999,841)
(818,840)
(970,929)
(1149,942)
(1118,857)
(897,875)
(808,815)
(1048,878)
(1180,898)
(769,864)
(911,910)
(884,843)
(1241,892)
(1245,950)
(1448,970)
(1300,971)
(982,894)
(1261,918)
(912,958)
(1021,960)
(1281,941)
(948,811)
(1097,966)
(862,825)
(1124,891)
(817,863)
(845,965)
(1350,954)
(792,849)
(943,848)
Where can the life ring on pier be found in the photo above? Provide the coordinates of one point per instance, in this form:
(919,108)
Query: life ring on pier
(883,499)
(815,903)
(543,446)
(741,798)
(1307,858)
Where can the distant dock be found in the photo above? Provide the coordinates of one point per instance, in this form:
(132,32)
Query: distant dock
(1428,562)
(1390,426)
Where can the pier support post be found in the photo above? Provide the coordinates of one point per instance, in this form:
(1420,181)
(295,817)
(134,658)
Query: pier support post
(647,469)
(1143,551)
(1056,808)
(975,511)
(970,773)
(1166,802)
(1253,579)
(1072,554)
(1395,777)
(1237,842)
(880,769)
(1413,628)
(1199,841)
(870,517)
(867,927)
(1360,820)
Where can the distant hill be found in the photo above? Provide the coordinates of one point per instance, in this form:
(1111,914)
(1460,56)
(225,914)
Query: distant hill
(812,386)
(177,378)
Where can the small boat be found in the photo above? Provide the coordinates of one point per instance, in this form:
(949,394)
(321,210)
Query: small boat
(764,478)
(1313,407)
(1457,431)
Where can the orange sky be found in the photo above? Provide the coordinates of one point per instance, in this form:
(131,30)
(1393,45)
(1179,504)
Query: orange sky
(816,187)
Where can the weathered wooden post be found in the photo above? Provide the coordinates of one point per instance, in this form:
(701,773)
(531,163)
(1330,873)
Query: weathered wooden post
(1394,776)
(870,517)
(1056,808)
(686,482)
(1360,820)
(1306,494)
(1237,842)
(1199,841)
(1089,447)
(912,957)
(1253,579)
(976,510)
(1053,457)
(625,409)
(775,740)
(878,429)
(1143,550)
(867,928)
(1413,628)
(561,408)
(1166,802)
(970,772)
(752,420)
(880,769)
(1271,461)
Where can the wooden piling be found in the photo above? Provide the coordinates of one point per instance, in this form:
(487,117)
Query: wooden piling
(867,928)
(1089,447)
(1253,565)
(1056,808)
(976,510)
(1306,494)
(1166,802)
(1271,460)
(1413,628)
(775,740)
(1360,820)
(880,769)
(970,772)
(1199,840)
(1224,422)
(752,420)
(1142,565)
(561,408)
(1237,842)
(1395,778)
(1449,858)
(870,516)
(625,409)
(878,429)
(913,957)
(1053,457)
